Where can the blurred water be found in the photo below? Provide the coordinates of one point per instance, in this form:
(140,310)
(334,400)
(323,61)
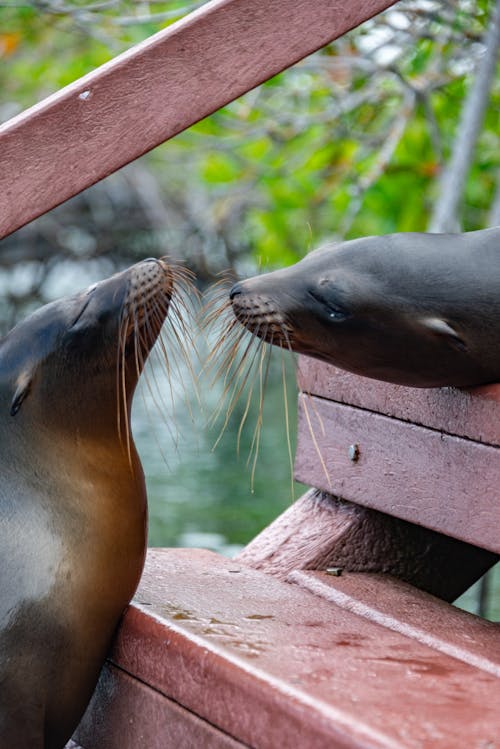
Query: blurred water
(201,496)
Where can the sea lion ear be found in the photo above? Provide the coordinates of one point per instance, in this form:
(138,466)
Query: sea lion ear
(444,330)
(22,391)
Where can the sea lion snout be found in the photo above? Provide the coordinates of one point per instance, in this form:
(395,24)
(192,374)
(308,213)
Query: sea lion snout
(149,278)
(235,290)
(259,312)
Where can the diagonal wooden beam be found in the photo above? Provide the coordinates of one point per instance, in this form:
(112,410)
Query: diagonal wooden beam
(145,96)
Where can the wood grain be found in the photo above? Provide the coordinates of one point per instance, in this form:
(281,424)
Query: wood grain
(155,90)
(394,604)
(320,531)
(472,412)
(275,665)
(442,482)
(138,717)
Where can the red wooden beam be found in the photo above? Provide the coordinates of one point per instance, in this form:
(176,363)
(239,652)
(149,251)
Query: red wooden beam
(473,412)
(145,96)
(325,665)
(417,474)
(319,531)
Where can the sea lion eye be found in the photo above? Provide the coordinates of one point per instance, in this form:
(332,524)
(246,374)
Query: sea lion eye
(336,314)
(333,310)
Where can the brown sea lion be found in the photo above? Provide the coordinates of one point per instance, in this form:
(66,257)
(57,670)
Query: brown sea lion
(72,496)
(414,309)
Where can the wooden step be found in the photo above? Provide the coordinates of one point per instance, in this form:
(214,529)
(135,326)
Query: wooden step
(319,662)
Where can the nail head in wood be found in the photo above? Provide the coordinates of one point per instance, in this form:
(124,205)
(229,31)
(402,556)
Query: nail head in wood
(353,452)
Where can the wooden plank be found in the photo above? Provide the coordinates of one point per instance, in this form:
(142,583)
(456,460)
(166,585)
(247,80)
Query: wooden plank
(472,413)
(320,531)
(158,88)
(399,606)
(436,480)
(274,665)
(138,717)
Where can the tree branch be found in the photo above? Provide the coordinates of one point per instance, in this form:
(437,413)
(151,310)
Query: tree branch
(446,214)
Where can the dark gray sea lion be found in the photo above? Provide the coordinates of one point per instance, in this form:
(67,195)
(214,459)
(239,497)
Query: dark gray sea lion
(414,309)
(72,496)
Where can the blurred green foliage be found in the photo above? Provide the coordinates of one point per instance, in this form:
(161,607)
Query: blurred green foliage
(348,142)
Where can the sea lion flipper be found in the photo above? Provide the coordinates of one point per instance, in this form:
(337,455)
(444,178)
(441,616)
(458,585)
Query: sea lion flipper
(22,391)
(442,328)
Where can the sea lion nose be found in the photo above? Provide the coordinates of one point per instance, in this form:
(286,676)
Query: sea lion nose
(237,289)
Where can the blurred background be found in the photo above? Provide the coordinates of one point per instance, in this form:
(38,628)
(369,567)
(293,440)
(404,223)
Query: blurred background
(394,127)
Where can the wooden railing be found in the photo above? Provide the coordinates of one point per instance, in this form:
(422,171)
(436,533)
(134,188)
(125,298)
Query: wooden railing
(147,95)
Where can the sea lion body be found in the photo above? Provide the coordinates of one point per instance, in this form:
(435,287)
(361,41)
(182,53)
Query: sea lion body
(414,309)
(72,497)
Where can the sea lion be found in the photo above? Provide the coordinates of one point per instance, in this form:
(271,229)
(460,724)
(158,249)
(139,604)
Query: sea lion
(72,496)
(413,309)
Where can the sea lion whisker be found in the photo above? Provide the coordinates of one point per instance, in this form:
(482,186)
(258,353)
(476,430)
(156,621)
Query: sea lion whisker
(120,344)
(258,426)
(286,338)
(260,346)
(218,300)
(174,334)
(229,399)
(229,359)
(151,331)
(179,336)
(151,382)
(123,408)
(222,349)
(223,343)
(232,393)
(314,440)
(287,421)
(215,315)
(224,365)
(258,423)
(244,416)
(180,305)
(236,391)
(215,306)
(240,379)
(159,405)
(180,314)
(139,342)
(171,335)
(187,391)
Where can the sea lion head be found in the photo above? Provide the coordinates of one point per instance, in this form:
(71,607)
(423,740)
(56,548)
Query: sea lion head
(403,308)
(78,359)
